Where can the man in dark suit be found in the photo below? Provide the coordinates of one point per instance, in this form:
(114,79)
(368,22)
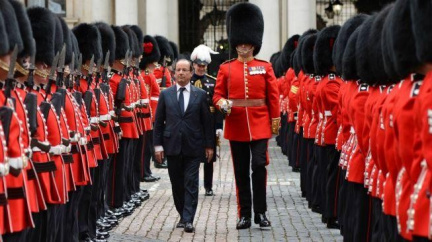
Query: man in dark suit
(181,132)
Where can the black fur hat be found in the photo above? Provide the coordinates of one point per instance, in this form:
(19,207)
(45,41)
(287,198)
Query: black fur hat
(287,50)
(175,49)
(299,60)
(307,52)
(133,41)
(25,29)
(278,70)
(75,48)
(349,71)
(362,51)
(140,36)
(11,23)
(108,40)
(342,40)
(67,40)
(4,43)
(375,57)
(58,44)
(294,61)
(151,51)
(164,48)
(274,57)
(122,43)
(401,39)
(245,25)
(89,41)
(43,25)
(421,18)
(322,55)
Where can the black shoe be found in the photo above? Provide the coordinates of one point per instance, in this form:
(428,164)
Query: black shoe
(244,223)
(262,220)
(209,192)
(332,224)
(180,224)
(296,169)
(189,228)
(161,165)
(150,179)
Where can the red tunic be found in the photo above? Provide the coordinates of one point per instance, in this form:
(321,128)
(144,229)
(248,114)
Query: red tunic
(158,75)
(238,80)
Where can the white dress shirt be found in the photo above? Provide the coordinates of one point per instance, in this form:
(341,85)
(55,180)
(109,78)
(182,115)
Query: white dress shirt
(186,94)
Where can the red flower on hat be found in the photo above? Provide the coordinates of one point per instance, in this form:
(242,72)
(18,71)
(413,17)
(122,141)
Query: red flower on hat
(148,47)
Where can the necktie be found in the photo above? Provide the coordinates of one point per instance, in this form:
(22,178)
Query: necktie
(181,100)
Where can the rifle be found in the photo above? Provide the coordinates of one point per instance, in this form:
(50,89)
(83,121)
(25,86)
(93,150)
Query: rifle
(52,76)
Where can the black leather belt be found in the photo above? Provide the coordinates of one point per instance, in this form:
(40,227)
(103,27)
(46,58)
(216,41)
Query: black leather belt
(67,158)
(90,146)
(16,193)
(143,115)
(42,167)
(106,136)
(75,149)
(31,174)
(3,200)
(125,120)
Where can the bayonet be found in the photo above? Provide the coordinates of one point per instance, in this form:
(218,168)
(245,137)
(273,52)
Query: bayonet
(106,67)
(71,73)
(52,76)
(60,67)
(78,71)
(126,63)
(10,77)
(98,72)
(31,68)
(90,71)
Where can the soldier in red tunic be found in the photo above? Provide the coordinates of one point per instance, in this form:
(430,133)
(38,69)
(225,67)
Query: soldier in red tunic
(246,91)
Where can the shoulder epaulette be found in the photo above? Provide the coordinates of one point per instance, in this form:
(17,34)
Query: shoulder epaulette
(227,61)
(210,76)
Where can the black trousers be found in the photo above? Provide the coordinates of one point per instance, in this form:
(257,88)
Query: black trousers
(289,141)
(241,156)
(184,175)
(71,227)
(129,170)
(312,148)
(117,177)
(87,208)
(208,174)
(357,220)
(148,153)
(377,215)
(304,167)
(138,163)
(332,182)
(107,186)
(37,232)
(316,179)
(283,134)
(295,150)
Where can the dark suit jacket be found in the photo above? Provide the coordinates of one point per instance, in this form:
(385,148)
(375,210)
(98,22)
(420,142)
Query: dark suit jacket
(187,134)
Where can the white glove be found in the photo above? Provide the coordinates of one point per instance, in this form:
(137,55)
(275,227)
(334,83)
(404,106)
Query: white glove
(4,169)
(226,106)
(219,132)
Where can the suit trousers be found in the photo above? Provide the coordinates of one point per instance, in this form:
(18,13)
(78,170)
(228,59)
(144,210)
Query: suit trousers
(184,175)
(241,155)
(208,174)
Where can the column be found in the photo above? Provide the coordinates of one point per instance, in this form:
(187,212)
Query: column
(301,16)
(161,18)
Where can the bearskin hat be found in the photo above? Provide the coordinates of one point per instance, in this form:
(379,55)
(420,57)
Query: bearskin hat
(164,48)
(122,43)
(278,68)
(300,44)
(342,40)
(349,71)
(375,56)
(4,43)
(133,41)
(67,40)
(89,41)
(274,57)
(11,23)
(75,48)
(140,36)
(108,40)
(362,50)
(401,39)
(25,29)
(43,25)
(322,55)
(307,52)
(174,47)
(245,25)
(287,50)
(386,52)
(296,66)
(421,18)
(58,43)
(151,51)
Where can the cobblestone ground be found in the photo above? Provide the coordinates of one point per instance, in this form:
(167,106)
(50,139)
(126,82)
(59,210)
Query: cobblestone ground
(216,216)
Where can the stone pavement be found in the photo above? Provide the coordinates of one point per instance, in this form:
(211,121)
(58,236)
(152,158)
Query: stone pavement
(216,216)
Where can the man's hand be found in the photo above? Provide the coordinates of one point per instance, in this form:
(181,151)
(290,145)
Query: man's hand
(209,154)
(225,105)
(159,155)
